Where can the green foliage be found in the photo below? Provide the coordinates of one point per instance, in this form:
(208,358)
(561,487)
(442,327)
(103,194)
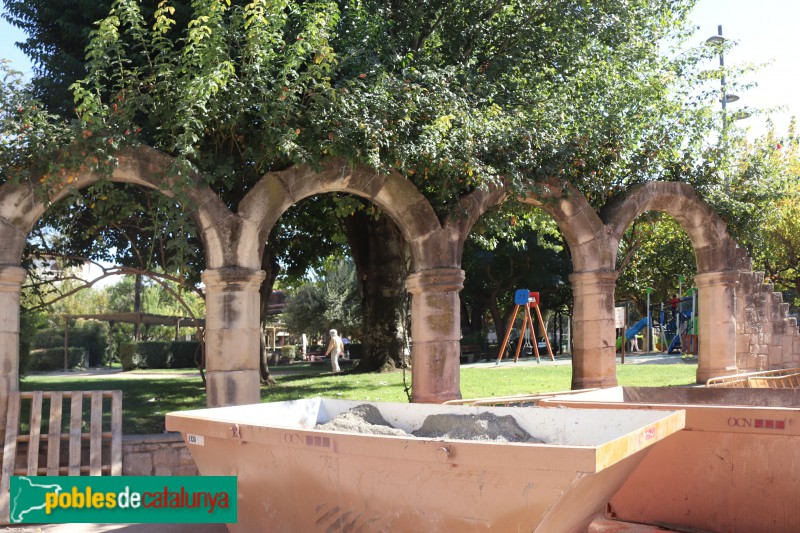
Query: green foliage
(145,355)
(87,336)
(762,207)
(57,34)
(158,354)
(333,302)
(454,95)
(45,359)
(513,248)
(290,352)
(184,354)
(127,351)
(653,253)
(29,323)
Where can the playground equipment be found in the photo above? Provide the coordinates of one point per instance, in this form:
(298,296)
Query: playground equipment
(634,330)
(733,469)
(676,328)
(293,477)
(527,300)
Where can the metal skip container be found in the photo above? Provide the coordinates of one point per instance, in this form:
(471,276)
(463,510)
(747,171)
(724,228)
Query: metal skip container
(293,477)
(734,468)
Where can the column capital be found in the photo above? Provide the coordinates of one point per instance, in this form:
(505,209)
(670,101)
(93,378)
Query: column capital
(436,280)
(594,277)
(232,279)
(12,277)
(718,277)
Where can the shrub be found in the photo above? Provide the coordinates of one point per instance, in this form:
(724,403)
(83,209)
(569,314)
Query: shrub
(141,355)
(289,352)
(183,354)
(53,358)
(29,323)
(90,336)
(126,352)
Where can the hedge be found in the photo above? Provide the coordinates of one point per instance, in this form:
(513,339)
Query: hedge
(158,354)
(183,354)
(89,336)
(53,358)
(291,352)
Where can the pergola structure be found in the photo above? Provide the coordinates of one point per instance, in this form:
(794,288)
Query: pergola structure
(136,318)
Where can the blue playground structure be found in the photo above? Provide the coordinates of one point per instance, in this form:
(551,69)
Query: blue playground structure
(634,330)
(677,324)
(672,325)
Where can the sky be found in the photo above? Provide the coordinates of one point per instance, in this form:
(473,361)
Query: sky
(765,31)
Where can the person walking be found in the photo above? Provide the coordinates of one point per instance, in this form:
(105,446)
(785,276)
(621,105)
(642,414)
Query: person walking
(335,349)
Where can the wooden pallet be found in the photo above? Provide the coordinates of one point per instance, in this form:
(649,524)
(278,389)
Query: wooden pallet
(35,443)
(787,378)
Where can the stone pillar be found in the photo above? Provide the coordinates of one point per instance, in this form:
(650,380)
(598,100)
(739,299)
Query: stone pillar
(232,336)
(436,334)
(716,311)
(11,279)
(594,360)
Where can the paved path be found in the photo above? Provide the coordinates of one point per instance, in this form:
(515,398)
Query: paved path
(637,358)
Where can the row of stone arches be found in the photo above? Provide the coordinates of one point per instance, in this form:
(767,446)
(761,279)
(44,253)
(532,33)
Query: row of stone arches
(233,243)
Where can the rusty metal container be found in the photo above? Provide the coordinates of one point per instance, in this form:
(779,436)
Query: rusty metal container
(734,469)
(293,477)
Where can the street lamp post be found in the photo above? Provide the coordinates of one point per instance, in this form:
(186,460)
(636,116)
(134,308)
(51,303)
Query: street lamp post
(718,40)
(726,98)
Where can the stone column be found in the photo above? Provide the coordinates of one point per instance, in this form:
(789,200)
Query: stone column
(716,311)
(232,336)
(594,360)
(436,334)
(11,279)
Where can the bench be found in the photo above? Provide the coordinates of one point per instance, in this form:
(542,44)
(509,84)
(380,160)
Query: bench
(26,440)
(469,352)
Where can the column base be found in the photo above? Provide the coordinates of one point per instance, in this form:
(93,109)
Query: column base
(579,383)
(704,374)
(436,372)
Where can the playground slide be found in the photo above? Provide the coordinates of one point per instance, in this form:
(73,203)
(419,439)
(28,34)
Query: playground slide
(633,330)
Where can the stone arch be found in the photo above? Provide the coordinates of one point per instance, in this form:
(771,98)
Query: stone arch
(436,278)
(592,280)
(582,228)
(714,248)
(278,191)
(20,208)
(716,254)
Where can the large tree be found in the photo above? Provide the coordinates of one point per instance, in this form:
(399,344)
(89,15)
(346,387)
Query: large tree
(453,95)
(762,205)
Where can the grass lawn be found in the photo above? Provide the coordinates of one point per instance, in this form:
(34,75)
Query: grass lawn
(147,398)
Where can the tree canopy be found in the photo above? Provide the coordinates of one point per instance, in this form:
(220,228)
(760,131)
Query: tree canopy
(453,95)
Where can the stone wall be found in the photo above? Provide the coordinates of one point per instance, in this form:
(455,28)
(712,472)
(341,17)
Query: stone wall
(156,455)
(766,337)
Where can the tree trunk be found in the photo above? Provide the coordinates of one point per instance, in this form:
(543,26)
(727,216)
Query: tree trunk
(379,254)
(269,264)
(137,306)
